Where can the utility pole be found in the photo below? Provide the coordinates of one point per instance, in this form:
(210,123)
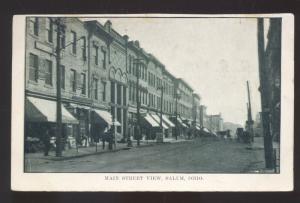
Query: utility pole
(176,113)
(138,63)
(161,112)
(265,95)
(249,112)
(58,90)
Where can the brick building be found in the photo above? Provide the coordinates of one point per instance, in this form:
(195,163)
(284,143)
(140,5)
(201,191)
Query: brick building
(99,70)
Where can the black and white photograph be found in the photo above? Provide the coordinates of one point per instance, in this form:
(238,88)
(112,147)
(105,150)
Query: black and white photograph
(158,99)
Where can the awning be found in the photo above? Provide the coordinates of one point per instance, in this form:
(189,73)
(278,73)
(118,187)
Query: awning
(151,121)
(157,119)
(106,117)
(206,130)
(42,110)
(80,106)
(166,120)
(182,123)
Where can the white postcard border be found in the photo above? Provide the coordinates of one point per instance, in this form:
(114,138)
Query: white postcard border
(21,181)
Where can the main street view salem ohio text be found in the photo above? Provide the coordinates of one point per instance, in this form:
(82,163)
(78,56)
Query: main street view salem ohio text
(156,95)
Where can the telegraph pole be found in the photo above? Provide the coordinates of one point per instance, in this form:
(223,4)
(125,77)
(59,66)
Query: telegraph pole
(161,112)
(176,113)
(249,121)
(58,90)
(265,95)
(137,63)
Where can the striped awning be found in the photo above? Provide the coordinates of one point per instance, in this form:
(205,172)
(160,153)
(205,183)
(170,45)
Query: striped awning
(157,119)
(151,121)
(106,117)
(42,110)
(167,121)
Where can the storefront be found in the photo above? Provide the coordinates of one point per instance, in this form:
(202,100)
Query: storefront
(164,125)
(101,120)
(40,116)
(149,127)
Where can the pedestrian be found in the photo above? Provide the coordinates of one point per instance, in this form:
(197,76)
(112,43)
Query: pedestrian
(110,138)
(46,142)
(104,137)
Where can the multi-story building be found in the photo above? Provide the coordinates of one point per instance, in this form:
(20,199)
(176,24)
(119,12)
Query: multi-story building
(185,100)
(99,69)
(215,123)
(196,110)
(40,87)
(203,117)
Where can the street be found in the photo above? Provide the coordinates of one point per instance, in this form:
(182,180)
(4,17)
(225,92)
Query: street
(198,155)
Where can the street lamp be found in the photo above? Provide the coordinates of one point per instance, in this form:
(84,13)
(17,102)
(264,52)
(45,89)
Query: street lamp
(161,88)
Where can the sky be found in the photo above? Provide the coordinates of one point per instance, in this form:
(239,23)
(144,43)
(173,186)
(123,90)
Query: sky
(216,56)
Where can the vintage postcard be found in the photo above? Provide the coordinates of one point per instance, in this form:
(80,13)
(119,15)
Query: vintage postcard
(153,102)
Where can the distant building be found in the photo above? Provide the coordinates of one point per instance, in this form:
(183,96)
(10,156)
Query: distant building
(196,109)
(185,101)
(215,123)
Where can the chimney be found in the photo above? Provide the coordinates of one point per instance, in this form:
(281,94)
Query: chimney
(107,25)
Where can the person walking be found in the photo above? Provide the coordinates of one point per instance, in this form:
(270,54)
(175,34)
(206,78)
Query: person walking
(110,138)
(104,137)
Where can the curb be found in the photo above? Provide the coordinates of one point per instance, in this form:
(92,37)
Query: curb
(107,151)
(84,155)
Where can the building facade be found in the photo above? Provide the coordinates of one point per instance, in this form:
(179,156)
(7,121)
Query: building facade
(196,109)
(185,100)
(103,76)
(215,123)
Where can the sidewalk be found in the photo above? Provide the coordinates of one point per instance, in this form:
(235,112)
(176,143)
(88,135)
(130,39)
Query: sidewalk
(258,145)
(91,150)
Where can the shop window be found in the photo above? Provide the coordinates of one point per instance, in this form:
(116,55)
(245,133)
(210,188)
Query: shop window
(33,67)
(48,72)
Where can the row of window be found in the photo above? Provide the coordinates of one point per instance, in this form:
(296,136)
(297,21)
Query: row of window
(132,68)
(96,56)
(35,68)
(116,97)
(35,24)
(185,111)
(132,94)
